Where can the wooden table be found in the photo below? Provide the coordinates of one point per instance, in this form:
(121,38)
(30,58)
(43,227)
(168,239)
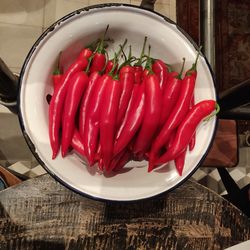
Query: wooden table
(42,214)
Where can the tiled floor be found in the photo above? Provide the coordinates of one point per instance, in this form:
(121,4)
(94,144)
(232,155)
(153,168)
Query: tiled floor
(21,23)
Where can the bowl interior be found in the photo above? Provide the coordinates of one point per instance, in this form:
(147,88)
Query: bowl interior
(70,35)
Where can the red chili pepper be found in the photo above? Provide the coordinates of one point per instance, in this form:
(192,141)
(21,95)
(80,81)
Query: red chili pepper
(109,66)
(57,102)
(193,139)
(77,143)
(127,79)
(56,80)
(161,70)
(186,130)
(134,96)
(177,114)
(180,161)
(99,58)
(85,53)
(171,93)
(57,75)
(77,86)
(109,111)
(92,122)
(98,62)
(93,79)
(131,122)
(138,74)
(153,107)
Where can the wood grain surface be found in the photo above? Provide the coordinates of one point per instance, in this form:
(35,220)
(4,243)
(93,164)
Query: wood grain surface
(42,214)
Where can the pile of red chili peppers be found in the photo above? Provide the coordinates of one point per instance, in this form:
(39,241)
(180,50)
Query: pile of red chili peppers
(112,111)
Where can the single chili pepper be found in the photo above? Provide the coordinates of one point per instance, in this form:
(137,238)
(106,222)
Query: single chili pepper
(131,122)
(77,86)
(109,111)
(93,79)
(127,79)
(161,70)
(109,66)
(85,53)
(99,59)
(57,77)
(153,108)
(186,129)
(193,139)
(57,102)
(138,66)
(177,114)
(77,143)
(171,93)
(134,96)
(92,120)
(180,161)
(57,74)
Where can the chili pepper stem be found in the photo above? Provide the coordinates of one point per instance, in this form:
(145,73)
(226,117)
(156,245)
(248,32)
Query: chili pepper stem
(100,47)
(182,68)
(194,65)
(57,70)
(142,52)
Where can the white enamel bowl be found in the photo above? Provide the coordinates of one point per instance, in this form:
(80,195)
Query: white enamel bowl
(70,34)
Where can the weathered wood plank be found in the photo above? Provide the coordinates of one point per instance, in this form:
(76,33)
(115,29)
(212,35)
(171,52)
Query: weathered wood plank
(42,214)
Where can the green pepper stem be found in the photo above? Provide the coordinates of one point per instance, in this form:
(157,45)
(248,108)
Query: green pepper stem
(142,52)
(194,65)
(100,47)
(57,70)
(182,68)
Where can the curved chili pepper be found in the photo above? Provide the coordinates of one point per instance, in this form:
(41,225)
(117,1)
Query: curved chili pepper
(77,86)
(186,130)
(57,102)
(109,110)
(177,114)
(127,79)
(77,143)
(153,107)
(193,139)
(134,96)
(171,93)
(180,161)
(131,122)
(92,122)
(93,79)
